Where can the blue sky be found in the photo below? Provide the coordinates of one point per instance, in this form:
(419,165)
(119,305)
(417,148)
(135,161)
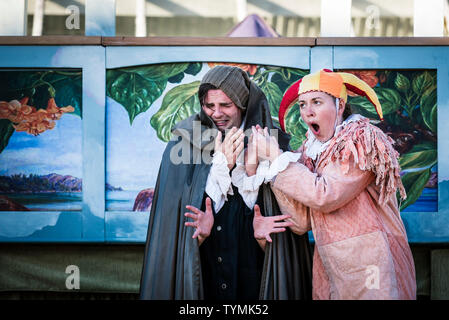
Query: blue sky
(53,151)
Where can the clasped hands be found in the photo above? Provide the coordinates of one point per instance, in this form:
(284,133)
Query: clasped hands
(261,146)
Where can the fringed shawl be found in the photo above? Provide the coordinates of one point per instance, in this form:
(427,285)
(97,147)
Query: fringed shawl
(372,150)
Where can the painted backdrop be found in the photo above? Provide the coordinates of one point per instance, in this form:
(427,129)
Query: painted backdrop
(40,140)
(145,102)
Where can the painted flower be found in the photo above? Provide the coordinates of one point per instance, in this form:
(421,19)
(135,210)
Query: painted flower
(28,119)
(54,112)
(15,111)
(250,68)
(35,127)
(369,76)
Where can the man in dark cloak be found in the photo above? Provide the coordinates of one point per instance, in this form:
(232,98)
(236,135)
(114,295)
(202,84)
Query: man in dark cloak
(229,264)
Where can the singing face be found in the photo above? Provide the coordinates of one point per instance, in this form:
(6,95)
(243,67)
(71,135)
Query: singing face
(222,110)
(318,112)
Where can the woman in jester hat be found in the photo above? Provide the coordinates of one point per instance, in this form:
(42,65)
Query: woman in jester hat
(341,184)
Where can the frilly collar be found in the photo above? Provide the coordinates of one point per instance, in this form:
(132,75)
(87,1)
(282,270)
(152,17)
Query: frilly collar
(314,147)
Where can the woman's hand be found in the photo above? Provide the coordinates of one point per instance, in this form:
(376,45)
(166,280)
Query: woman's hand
(231,146)
(267,146)
(264,226)
(202,220)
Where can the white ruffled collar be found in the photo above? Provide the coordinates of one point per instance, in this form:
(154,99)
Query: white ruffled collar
(315,147)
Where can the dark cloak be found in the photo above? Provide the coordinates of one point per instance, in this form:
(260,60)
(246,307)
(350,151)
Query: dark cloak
(172,266)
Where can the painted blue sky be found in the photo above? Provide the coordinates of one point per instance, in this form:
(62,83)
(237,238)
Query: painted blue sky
(53,151)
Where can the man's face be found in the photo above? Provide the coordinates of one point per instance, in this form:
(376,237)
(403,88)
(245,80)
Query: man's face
(222,110)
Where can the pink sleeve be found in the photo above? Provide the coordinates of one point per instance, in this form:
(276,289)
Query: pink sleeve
(324,192)
(299,212)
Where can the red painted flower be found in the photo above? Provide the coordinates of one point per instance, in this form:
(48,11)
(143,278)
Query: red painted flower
(28,119)
(369,76)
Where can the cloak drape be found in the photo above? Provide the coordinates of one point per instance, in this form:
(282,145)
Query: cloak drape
(172,266)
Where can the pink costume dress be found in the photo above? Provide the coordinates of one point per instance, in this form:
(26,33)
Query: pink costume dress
(347,197)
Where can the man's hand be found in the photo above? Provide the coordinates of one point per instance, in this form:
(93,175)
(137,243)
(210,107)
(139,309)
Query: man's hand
(202,221)
(251,160)
(264,226)
(231,146)
(267,146)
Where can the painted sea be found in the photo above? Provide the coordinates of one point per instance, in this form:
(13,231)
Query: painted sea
(124,201)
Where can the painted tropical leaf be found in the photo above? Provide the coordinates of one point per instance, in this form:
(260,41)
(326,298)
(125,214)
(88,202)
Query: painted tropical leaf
(402,83)
(388,98)
(134,92)
(137,88)
(414,183)
(6,131)
(296,127)
(158,72)
(422,82)
(429,109)
(285,77)
(194,68)
(178,104)
(274,97)
(422,155)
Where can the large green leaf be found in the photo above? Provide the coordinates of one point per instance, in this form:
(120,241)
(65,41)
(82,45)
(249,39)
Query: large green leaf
(274,97)
(133,91)
(389,99)
(402,82)
(422,155)
(194,68)
(137,88)
(6,131)
(429,110)
(414,183)
(178,104)
(157,72)
(295,126)
(422,82)
(285,77)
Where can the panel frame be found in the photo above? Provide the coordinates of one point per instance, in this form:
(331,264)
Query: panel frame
(86,225)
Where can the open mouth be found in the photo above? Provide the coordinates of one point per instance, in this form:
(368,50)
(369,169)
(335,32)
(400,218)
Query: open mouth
(221,123)
(315,128)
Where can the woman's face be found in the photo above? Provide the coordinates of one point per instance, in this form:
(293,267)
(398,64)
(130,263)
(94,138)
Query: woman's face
(318,112)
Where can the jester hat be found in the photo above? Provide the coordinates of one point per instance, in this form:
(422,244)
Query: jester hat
(334,83)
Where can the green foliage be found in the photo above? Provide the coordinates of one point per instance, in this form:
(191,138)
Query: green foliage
(296,127)
(409,103)
(422,155)
(137,88)
(6,131)
(133,91)
(179,103)
(414,183)
(274,81)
